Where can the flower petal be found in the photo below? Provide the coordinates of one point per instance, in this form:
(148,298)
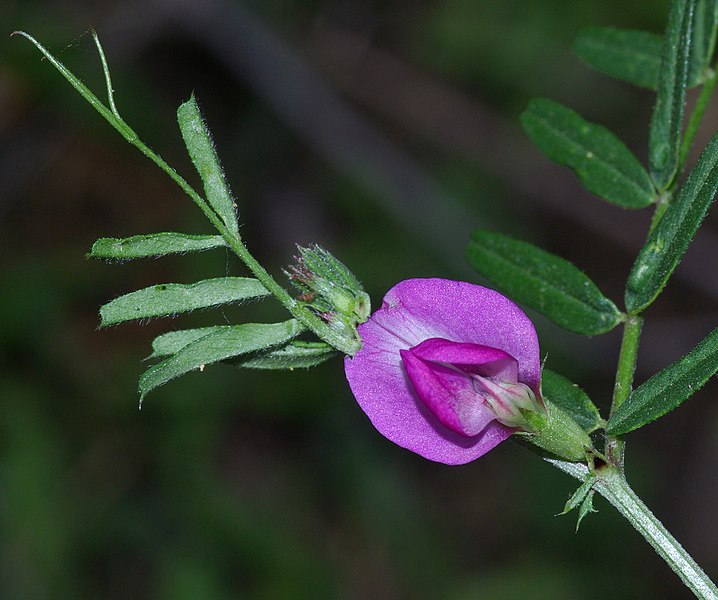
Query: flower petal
(471,358)
(449,394)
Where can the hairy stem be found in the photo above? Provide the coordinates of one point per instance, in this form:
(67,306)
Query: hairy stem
(624,379)
(612,485)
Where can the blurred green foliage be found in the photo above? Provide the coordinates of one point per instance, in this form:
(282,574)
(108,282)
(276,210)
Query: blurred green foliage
(235,484)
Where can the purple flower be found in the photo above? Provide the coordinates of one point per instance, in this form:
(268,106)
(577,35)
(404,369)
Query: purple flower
(446,369)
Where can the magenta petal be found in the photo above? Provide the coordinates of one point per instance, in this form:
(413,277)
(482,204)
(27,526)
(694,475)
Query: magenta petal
(449,395)
(417,310)
(472,358)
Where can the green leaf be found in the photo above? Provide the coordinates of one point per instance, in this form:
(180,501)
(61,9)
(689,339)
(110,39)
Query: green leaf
(171,298)
(633,56)
(668,388)
(294,355)
(220,345)
(201,149)
(542,281)
(664,138)
(704,37)
(571,398)
(601,161)
(669,240)
(155,244)
(172,342)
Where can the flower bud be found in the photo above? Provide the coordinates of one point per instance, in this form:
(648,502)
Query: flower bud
(331,290)
(557,433)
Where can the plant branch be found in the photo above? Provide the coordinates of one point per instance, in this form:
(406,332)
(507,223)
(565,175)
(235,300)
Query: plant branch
(297,310)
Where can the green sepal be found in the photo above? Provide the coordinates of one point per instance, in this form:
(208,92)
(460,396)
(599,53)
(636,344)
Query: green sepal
(152,245)
(171,298)
(555,432)
(668,388)
(603,164)
(572,399)
(330,290)
(543,281)
(198,141)
(669,240)
(224,344)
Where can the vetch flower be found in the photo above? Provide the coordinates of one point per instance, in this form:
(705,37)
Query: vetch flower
(447,369)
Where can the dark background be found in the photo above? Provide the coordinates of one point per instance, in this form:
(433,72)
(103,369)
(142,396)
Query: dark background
(386,131)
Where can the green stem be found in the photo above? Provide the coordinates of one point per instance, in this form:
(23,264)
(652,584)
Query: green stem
(612,485)
(624,380)
(112,116)
(661,206)
(627,360)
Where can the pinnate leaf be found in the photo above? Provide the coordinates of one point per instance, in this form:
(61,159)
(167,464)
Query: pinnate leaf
(201,150)
(543,281)
(571,398)
(155,244)
(669,240)
(223,344)
(630,55)
(171,298)
(600,160)
(667,389)
(664,138)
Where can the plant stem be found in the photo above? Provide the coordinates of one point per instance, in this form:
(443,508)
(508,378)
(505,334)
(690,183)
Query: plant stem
(627,360)
(624,380)
(612,485)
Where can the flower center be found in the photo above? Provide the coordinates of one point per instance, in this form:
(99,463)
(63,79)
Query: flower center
(467,386)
